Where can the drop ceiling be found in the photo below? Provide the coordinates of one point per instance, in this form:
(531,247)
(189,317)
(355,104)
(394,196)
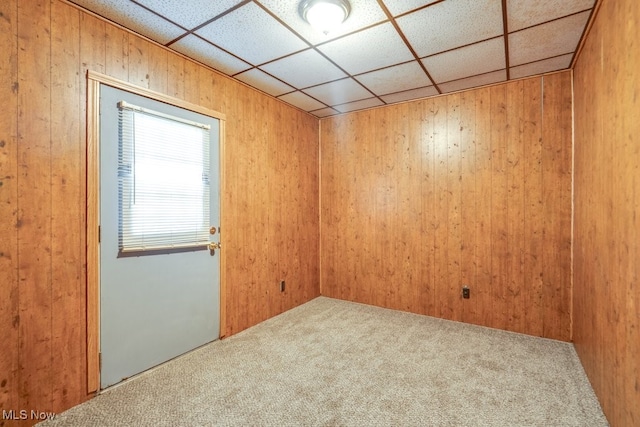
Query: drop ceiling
(387,51)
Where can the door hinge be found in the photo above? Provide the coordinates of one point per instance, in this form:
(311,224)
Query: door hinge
(99,234)
(100,362)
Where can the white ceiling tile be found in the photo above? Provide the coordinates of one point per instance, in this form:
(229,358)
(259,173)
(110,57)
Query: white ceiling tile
(325,112)
(359,105)
(397,7)
(367,50)
(252,34)
(363,14)
(526,13)
(540,67)
(546,40)
(266,44)
(264,82)
(304,69)
(189,13)
(422,92)
(302,101)
(467,61)
(339,92)
(395,79)
(135,18)
(451,24)
(198,49)
(481,80)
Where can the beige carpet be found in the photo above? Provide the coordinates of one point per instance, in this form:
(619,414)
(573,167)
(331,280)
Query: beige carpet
(335,363)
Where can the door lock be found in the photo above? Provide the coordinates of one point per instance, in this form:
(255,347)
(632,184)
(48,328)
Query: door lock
(213,246)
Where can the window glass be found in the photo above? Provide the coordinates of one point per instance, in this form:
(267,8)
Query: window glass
(163,181)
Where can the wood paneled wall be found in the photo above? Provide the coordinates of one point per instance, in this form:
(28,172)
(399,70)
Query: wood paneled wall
(270,192)
(607,209)
(474,188)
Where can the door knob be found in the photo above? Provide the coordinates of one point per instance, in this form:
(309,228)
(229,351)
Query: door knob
(213,246)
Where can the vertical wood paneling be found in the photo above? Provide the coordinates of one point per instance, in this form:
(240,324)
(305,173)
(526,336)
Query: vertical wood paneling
(441,247)
(117,53)
(158,69)
(607,232)
(426,195)
(191,82)
(473,224)
(93,41)
(276,236)
(139,61)
(556,187)
(452,308)
(330,254)
(482,289)
(35,198)
(270,192)
(265,283)
(406,248)
(499,206)
(388,206)
(237,244)
(67,194)
(468,200)
(533,221)
(207,93)
(279,234)
(176,78)
(515,308)
(367,205)
(308,237)
(262,190)
(9,290)
(328,176)
(414,254)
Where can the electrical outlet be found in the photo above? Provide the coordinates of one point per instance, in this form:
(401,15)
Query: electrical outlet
(282,286)
(466,292)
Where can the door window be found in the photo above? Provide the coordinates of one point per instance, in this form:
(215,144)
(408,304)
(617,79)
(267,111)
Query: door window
(163,181)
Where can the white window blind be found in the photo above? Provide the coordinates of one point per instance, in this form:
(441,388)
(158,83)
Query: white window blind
(163,176)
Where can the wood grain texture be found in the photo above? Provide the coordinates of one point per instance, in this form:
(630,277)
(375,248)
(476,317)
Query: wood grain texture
(468,200)
(514,312)
(440,138)
(499,236)
(92,236)
(482,288)
(269,194)
(96,39)
(439,191)
(93,43)
(35,205)
(556,188)
(606,296)
(450,307)
(68,292)
(9,287)
(534,220)
(116,45)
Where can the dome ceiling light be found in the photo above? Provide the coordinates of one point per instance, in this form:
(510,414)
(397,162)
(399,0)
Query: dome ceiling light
(324,15)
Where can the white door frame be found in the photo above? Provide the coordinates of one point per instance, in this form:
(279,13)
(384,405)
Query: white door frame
(94,80)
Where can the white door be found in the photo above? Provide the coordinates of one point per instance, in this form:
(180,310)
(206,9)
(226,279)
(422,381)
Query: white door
(154,304)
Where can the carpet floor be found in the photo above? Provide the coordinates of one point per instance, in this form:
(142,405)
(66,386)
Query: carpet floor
(336,363)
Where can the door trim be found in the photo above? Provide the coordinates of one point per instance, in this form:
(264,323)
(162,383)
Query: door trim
(94,80)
